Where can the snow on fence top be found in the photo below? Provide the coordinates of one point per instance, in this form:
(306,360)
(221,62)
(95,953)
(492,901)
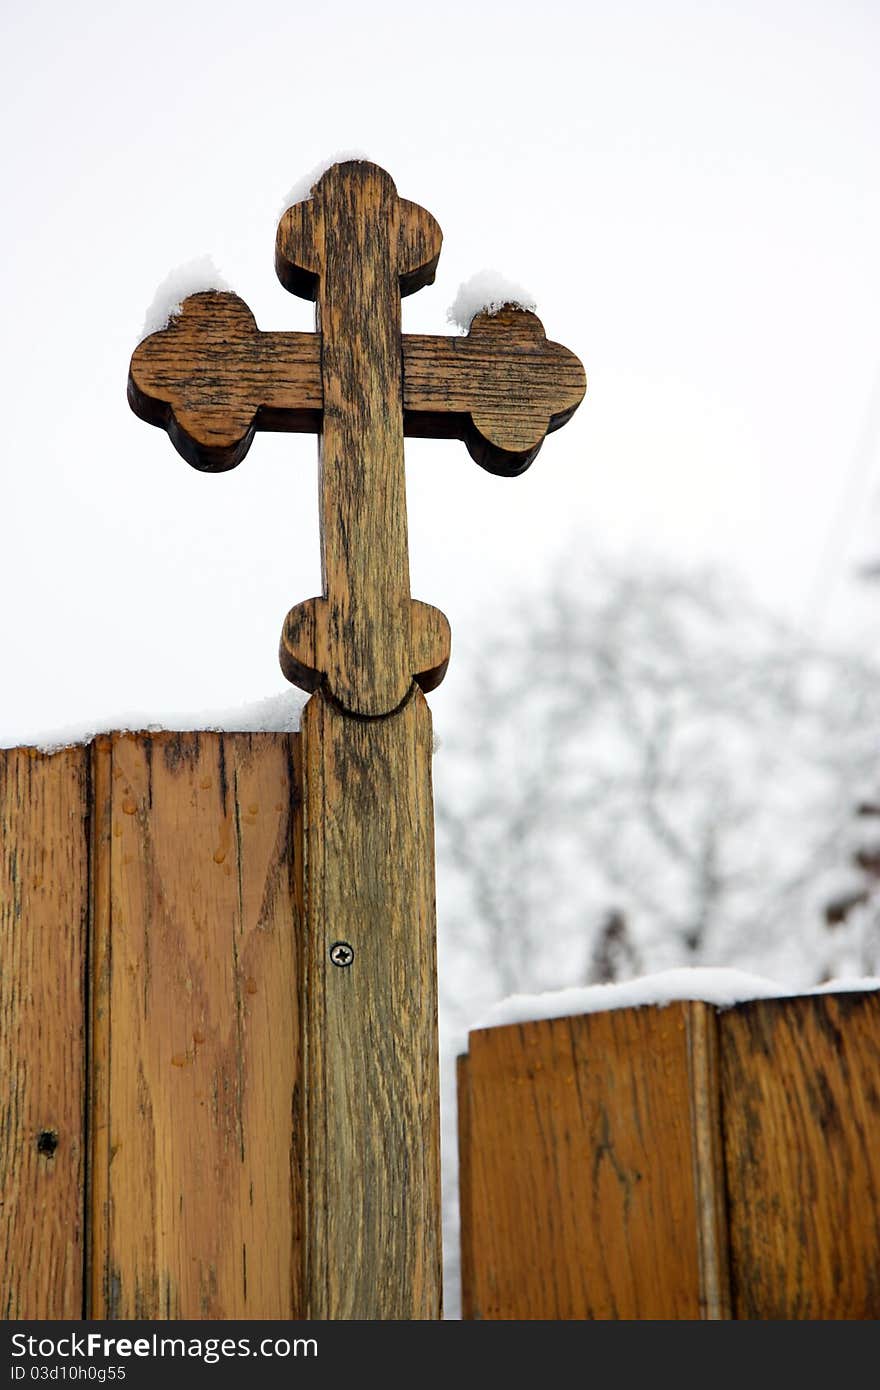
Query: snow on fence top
(721,987)
(487,291)
(190,278)
(276,714)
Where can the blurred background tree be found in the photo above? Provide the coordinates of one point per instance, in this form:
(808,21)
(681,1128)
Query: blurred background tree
(650,772)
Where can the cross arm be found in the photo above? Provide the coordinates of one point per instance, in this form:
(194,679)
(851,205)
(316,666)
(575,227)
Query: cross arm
(212,379)
(501,389)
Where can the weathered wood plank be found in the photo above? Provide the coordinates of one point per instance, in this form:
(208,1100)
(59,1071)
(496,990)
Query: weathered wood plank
(465,1188)
(708,1160)
(43,934)
(581,1168)
(801,1105)
(370,1070)
(98,1129)
(195,1029)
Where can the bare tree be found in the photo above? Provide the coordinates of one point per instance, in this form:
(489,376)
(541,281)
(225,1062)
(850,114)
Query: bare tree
(651,771)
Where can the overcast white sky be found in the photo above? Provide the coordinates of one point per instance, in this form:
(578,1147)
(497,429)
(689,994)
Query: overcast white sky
(689,190)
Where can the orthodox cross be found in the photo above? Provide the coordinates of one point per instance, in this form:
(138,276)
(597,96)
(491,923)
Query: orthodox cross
(212,379)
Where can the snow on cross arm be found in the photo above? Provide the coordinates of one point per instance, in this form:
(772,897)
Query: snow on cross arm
(486,292)
(193,277)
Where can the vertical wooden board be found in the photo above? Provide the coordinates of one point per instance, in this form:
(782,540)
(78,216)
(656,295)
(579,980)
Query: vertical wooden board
(708,1161)
(43,932)
(583,1199)
(465,1189)
(370,1073)
(195,1029)
(801,1110)
(98,1117)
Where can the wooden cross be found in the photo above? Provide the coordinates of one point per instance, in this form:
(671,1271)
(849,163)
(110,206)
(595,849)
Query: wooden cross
(212,378)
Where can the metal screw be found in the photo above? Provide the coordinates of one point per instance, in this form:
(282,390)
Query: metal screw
(341,953)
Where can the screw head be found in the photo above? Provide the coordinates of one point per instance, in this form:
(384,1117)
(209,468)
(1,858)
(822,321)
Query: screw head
(341,953)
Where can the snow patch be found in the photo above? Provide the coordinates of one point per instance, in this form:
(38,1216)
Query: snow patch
(721,987)
(302,189)
(190,278)
(276,714)
(488,292)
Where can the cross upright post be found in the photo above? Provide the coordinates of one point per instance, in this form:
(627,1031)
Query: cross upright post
(369,1099)
(354,246)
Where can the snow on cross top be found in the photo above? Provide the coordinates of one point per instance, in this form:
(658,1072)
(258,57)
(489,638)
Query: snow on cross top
(302,189)
(486,292)
(192,277)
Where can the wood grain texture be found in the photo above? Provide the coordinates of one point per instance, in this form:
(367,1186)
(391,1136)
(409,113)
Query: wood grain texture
(43,935)
(98,1126)
(801,1104)
(501,388)
(465,1190)
(195,1028)
(306,647)
(708,1160)
(370,1067)
(580,1197)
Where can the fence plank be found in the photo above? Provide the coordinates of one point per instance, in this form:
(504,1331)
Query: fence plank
(465,1188)
(582,1197)
(708,1158)
(43,929)
(195,1028)
(800,1084)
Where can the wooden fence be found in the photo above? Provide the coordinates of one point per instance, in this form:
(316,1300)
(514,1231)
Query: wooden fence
(676,1162)
(169,1083)
(179,1052)
(149,1026)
